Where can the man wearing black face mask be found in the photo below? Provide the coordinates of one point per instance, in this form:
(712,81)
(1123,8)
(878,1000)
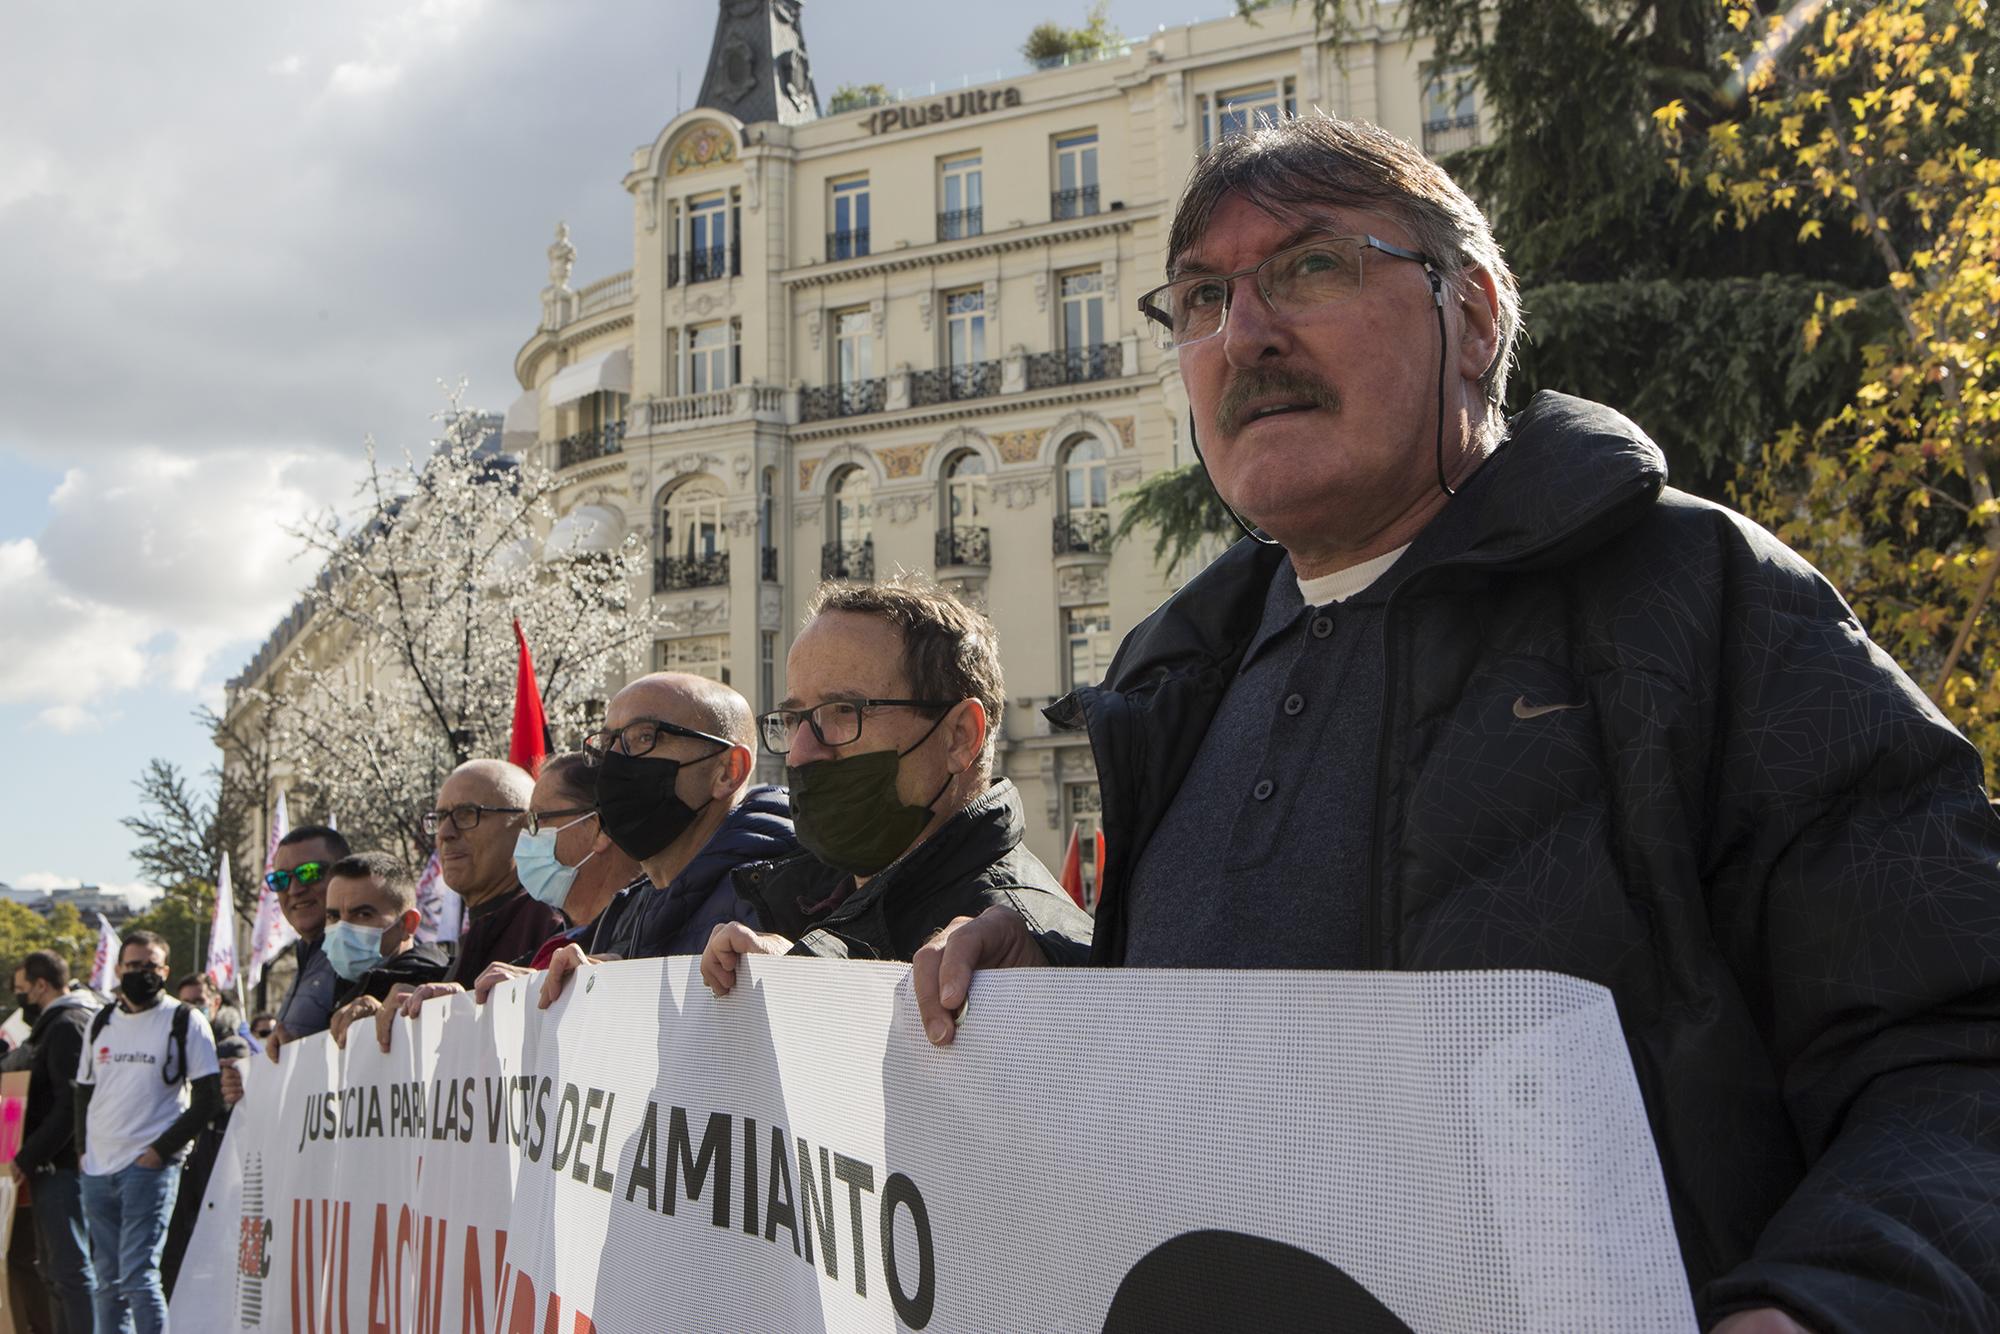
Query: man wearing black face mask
(673,767)
(46,1163)
(888,736)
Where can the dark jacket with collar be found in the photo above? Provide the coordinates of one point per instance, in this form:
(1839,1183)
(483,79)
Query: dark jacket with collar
(1629,736)
(422,962)
(679,918)
(973,862)
(55,1051)
(508,929)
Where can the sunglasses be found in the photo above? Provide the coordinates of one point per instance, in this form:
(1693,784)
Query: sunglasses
(305,873)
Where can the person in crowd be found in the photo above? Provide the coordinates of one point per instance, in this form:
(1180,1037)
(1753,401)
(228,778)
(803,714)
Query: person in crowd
(888,736)
(298,870)
(262,1025)
(479,812)
(1485,694)
(672,770)
(146,1083)
(198,991)
(371,936)
(45,1166)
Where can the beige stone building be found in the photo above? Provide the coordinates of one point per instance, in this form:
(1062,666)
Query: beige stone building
(904,336)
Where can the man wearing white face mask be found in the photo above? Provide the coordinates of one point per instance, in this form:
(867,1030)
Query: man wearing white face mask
(371,936)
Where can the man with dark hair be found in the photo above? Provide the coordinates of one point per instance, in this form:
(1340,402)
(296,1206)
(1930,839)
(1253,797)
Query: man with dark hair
(45,1166)
(198,991)
(371,936)
(888,734)
(670,774)
(297,876)
(1484,693)
(146,1083)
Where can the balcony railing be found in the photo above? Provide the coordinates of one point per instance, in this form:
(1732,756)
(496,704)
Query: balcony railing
(672,573)
(1074,365)
(850,244)
(712,262)
(604,294)
(768,567)
(973,379)
(964,546)
(848,398)
(848,560)
(1083,531)
(665,414)
(960,223)
(1078,203)
(1450,135)
(592,444)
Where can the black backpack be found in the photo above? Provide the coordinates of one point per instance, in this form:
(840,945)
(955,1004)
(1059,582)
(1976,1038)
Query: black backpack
(178,1044)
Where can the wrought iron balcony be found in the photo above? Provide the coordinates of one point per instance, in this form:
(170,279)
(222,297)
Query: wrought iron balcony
(848,560)
(972,379)
(964,546)
(1450,135)
(769,565)
(714,262)
(1085,531)
(592,444)
(850,244)
(848,398)
(672,573)
(1074,365)
(960,223)
(1078,203)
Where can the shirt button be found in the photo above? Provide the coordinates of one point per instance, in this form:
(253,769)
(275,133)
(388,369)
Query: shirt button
(1322,626)
(1265,787)
(1294,705)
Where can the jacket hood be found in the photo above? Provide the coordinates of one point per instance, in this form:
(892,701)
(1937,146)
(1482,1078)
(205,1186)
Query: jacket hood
(759,829)
(1568,476)
(69,1000)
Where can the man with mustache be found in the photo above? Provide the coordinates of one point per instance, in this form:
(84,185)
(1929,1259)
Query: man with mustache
(1484,693)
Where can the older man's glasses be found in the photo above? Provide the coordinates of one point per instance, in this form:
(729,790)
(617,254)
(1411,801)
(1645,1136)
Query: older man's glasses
(639,737)
(466,817)
(305,873)
(1292,281)
(836,722)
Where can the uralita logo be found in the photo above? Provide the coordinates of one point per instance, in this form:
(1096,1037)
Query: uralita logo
(103,1054)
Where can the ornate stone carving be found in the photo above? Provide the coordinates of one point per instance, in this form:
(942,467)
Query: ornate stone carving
(701,148)
(1042,290)
(1051,790)
(969,589)
(902,460)
(649,204)
(1082,583)
(1018,446)
(1126,475)
(808,514)
(1176,93)
(562,259)
(741,523)
(815,319)
(691,612)
(1019,493)
(925,300)
(903,507)
(878,316)
(740,465)
(807,467)
(1126,428)
(770,608)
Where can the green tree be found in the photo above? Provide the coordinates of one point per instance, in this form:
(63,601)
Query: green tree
(23,930)
(852,96)
(1049,43)
(182,918)
(182,831)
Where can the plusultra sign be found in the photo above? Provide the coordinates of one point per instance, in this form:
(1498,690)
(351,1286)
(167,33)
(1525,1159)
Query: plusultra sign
(913,115)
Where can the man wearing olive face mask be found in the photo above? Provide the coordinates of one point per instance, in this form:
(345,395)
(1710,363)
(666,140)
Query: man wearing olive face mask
(888,738)
(672,776)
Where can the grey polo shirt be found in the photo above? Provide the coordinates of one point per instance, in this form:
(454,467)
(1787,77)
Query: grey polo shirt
(308,1006)
(1262,859)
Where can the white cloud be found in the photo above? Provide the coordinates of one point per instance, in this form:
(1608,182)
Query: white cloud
(289,66)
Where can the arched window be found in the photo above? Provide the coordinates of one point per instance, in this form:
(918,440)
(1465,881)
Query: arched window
(691,520)
(853,507)
(965,490)
(1085,486)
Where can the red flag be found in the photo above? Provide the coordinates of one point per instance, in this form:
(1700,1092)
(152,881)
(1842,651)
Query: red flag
(529,745)
(1072,871)
(1097,885)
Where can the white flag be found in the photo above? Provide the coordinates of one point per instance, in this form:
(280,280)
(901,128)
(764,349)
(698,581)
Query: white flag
(104,970)
(270,933)
(442,910)
(222,932)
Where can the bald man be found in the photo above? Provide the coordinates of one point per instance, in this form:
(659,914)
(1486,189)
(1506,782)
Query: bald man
(673,766)
(478,814)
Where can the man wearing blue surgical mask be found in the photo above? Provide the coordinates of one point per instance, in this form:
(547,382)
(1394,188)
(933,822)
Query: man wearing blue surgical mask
(371,936)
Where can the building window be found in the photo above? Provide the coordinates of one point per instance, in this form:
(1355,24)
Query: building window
(767,669)
(691,520)
(962,203)
(710,357)
(965,328)
(853,506)
(708,238)
(1451,120)
(848,238)
(702,655)
(1083,310)
(1088,644)
(1083,809)
(1240,110)
(1075,194)
(605,408)
(1084,525)
(853,346)
(963,539)
(767,524)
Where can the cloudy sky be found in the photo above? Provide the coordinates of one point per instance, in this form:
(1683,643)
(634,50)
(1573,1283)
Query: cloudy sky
(237,238)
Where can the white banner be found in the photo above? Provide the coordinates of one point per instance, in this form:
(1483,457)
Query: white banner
(1100,1150)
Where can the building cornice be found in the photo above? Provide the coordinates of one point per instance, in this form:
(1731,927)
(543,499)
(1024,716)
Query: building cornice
(992,243)
(548,341)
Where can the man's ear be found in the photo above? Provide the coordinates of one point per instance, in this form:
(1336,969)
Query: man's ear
(410,921)
(1478,323)
(966,729)
(732,769)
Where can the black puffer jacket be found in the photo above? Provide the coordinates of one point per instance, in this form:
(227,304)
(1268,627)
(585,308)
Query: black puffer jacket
(1627,735)
(973,862)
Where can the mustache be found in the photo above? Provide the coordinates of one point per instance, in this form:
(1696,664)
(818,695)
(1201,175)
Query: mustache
(1276,380)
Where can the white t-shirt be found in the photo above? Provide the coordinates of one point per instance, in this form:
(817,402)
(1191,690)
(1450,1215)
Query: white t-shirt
(133,1105)
(1344,584)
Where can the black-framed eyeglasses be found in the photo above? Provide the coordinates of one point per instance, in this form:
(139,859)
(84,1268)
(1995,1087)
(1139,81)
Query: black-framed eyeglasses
(305,873)
(533,822)
(1293,280)
(466,816)
(640,736)
(837,722)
